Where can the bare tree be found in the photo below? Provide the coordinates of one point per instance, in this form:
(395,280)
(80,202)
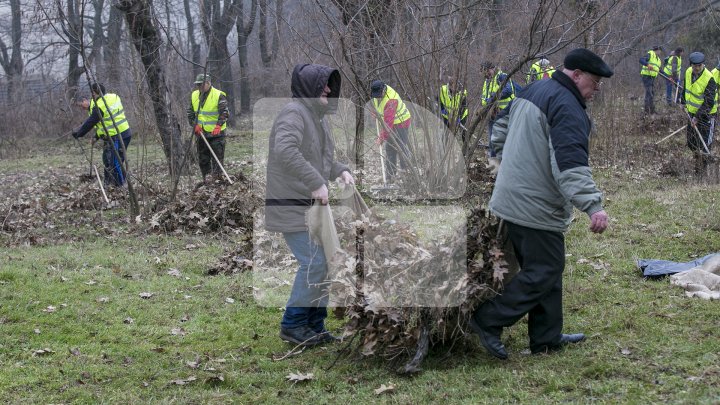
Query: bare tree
(218,19)
(12,63)
(244,29)
(192,41)
(268,53)
(148,42)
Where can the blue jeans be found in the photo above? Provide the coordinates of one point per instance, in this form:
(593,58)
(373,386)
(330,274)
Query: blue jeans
(649,85)
(114,175)
(309,295)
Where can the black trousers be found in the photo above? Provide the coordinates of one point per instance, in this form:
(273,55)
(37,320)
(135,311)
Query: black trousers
(536,290)
(207,162)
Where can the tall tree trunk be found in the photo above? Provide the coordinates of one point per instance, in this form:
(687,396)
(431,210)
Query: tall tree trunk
(194,46)
(71,28)
(112,47)
(217,23)
(13,65)
(147,41)
(267,57)
(243,30)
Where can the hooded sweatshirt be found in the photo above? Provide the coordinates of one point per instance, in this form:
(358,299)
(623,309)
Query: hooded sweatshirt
(301,151)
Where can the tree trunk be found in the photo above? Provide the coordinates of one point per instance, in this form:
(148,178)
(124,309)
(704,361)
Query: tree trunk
(148,42)
(71,29)
(243,31)
(194,46)
(268,57)
(13,65)
(216,25)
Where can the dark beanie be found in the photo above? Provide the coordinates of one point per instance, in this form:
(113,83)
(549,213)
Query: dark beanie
(587,61)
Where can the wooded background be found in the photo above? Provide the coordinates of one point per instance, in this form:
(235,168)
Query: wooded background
(149,51)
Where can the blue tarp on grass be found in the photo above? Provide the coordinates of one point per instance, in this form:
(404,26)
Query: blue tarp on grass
(659,268)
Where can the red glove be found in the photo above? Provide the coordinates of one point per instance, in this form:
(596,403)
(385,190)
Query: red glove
(198,129)
(216,130)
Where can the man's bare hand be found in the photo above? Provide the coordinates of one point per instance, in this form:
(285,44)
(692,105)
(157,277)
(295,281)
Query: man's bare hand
(599,221)
(347,178)
(321,194)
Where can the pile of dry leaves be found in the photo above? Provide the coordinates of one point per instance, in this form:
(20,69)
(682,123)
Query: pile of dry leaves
(395,265)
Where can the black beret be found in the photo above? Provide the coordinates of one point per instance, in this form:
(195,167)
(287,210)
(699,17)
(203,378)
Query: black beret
(587,61)
(697,58)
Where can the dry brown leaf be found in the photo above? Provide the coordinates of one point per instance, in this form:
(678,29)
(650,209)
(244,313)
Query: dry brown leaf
(180,381)
(42,352)
(178,332)
(299,377)
(385,389)
(146,295)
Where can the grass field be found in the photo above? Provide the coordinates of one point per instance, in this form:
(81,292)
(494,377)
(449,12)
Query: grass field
(130,317)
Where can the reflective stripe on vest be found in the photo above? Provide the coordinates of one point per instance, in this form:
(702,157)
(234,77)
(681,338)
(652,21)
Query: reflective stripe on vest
(113,117)
(694,91)
(452,104)
(668,66)
(402,114)
(654,61)
(208,116)
(492,89)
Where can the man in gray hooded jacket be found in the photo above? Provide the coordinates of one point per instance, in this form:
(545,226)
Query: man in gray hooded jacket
(542,140)
(300,163)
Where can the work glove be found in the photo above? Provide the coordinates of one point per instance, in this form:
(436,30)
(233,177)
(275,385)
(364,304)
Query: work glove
(216,130)
(75,134)
(198,129)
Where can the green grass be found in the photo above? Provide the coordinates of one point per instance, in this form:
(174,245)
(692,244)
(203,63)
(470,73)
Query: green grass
(647,342)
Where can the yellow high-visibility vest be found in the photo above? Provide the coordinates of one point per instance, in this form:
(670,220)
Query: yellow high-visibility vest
(452,103)
(402,114)
(655,62)
(113,115)
(208,116)
(694,91)
(668,66)
(491,87)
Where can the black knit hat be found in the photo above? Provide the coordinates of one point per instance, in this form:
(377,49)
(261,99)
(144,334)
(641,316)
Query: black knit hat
(377,88)
(587,61)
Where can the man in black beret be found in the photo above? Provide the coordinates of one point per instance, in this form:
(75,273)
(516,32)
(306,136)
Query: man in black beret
(542,141)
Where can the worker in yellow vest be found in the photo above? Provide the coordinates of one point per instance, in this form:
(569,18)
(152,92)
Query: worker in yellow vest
(394,117)
(672,69)
(208,114)
(699,99)
(453,103)
(106,114)
(648,72)
(497,91)
(541,69)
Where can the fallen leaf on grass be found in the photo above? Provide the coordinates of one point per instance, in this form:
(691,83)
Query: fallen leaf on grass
(385,389)
(128,320)
(185,318)
(299,377)
(180,381)
(229,300)
(42,352)
(50,309)
(75,351)
(174,273)
(625,351)
(178,331)
(103,300)
(146,295)
(91,282)
(215,379)
(37,331)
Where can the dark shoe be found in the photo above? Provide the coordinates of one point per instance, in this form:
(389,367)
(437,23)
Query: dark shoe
(573,338)
(564,340)
(325,337)
(301,335)
(490,341)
